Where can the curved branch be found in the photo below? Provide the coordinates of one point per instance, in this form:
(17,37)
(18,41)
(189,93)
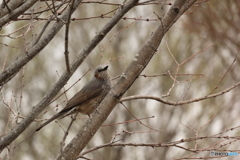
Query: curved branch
(181,102)
(165,144)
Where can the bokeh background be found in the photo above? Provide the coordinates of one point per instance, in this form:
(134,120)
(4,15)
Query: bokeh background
(214,24)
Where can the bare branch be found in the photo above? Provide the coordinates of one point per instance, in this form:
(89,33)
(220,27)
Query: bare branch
(174,144)
(66,132)
(225,74)
(181,102)
(139,119)
(66,53)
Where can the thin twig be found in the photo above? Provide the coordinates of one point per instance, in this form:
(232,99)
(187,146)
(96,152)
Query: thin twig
(225,74)
(138,119)
(115,35)
(66,132)
(64,90)
(24,140)
(66,52)
(47,23)
(54,12)
(190,58)
(185,92)
(106,125)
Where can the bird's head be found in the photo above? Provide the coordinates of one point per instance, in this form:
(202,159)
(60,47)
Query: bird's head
(101,72)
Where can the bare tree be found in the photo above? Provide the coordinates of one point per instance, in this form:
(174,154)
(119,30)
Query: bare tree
(32,27)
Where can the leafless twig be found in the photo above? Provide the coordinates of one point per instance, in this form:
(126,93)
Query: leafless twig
(138,119)
(181,102)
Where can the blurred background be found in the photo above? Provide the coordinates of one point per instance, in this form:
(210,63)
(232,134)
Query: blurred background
(209,24)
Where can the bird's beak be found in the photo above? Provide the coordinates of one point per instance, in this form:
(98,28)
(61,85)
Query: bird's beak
(105,68)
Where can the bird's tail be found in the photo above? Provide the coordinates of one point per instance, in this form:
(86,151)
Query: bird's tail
(48,121)
(59,115)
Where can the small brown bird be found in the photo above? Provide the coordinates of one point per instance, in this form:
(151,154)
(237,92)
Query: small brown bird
(88,98)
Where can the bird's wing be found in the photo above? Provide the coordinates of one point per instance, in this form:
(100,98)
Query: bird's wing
(87,93)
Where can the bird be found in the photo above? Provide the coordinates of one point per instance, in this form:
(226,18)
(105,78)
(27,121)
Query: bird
(88,98)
